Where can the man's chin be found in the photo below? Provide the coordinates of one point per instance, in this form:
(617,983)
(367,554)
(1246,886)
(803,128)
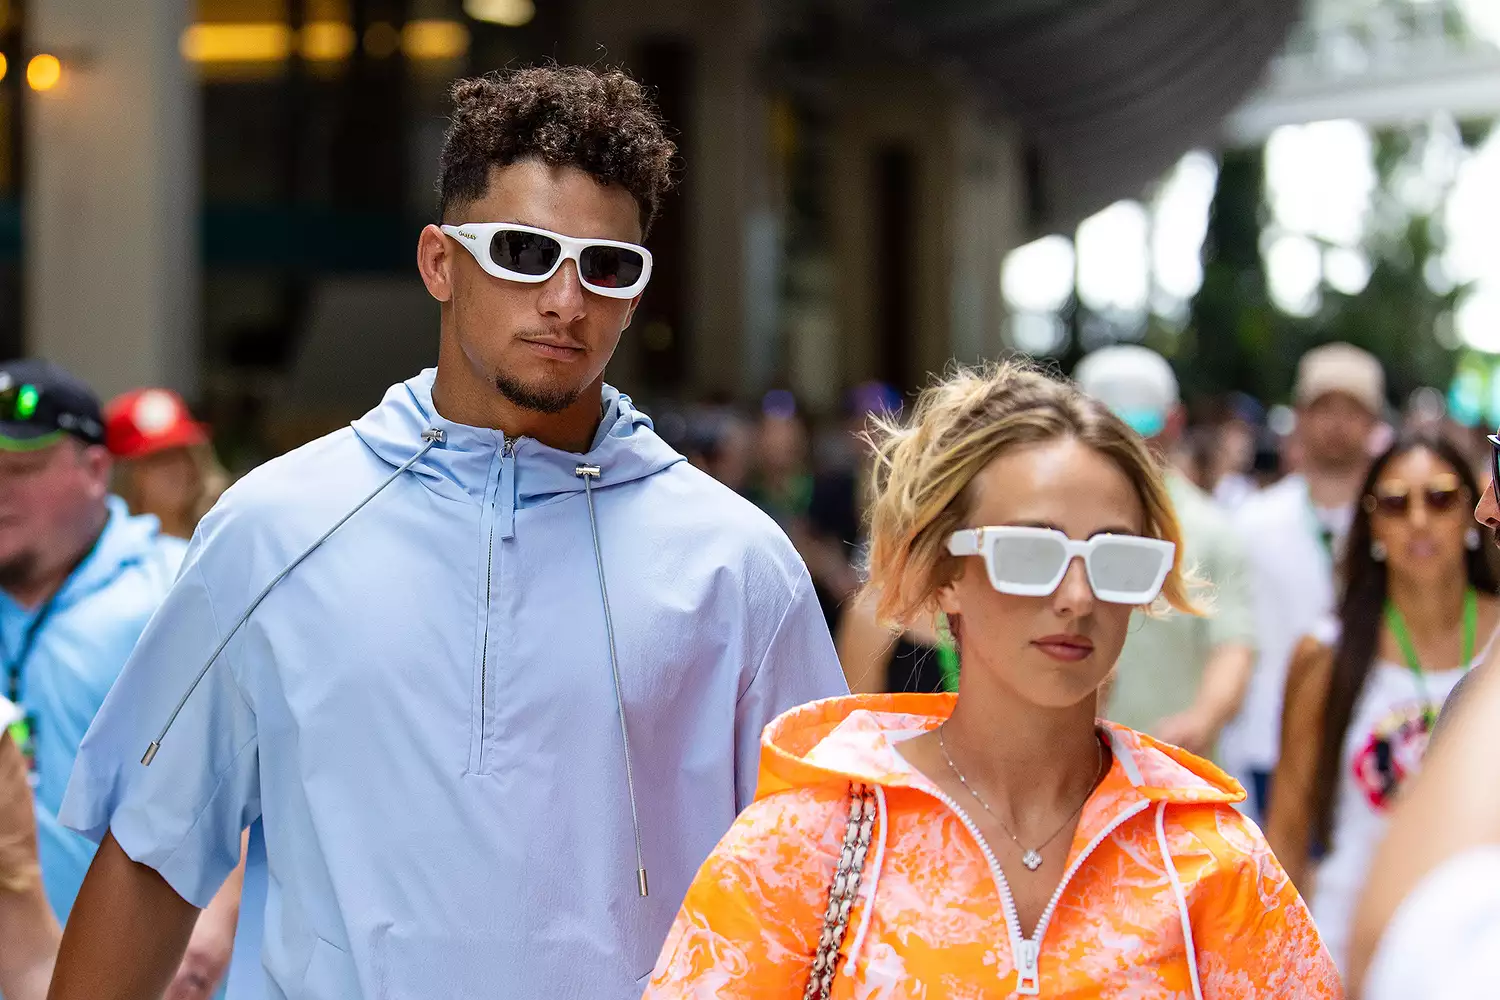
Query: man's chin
(17,570)
(537,396)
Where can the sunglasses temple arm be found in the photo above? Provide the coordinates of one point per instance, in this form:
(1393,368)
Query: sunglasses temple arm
(964,543)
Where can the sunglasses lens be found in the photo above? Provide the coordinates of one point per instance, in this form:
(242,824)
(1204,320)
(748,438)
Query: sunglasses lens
(523,252)
(1026,561)
(1119,567)
(1441,501)
(611,267)
(1392,504)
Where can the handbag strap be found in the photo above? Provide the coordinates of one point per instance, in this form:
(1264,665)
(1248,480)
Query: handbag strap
(841,893)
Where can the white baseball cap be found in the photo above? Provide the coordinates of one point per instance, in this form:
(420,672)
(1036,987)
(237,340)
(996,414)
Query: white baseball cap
(1135,382)
(1341,368)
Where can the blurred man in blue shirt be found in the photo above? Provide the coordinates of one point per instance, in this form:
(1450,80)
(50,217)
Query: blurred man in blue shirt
(79,578)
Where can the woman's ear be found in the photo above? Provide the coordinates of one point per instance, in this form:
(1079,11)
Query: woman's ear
(947,597)
(948,600)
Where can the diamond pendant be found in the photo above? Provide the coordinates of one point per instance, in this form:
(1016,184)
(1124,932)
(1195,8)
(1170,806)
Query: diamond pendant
(1032,860)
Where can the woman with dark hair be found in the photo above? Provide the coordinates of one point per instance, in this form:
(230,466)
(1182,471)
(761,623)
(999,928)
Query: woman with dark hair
(1418,609)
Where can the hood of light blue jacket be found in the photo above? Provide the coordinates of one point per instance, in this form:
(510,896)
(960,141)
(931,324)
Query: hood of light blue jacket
(424,712)
(625,448)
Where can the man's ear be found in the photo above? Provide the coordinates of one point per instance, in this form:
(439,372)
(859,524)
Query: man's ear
(98,464)
(630,312)
(435,262)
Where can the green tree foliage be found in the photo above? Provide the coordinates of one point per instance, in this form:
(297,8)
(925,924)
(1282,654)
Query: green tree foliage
(1239,340)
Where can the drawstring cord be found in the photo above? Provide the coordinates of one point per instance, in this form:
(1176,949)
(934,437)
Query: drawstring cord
(432,436)
(589,473)
(1182,906)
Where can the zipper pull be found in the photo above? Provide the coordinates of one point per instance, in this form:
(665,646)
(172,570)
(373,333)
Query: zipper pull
(506,493)
(1028,978)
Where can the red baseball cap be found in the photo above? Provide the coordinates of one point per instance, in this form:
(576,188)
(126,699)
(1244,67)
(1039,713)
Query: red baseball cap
(145,421)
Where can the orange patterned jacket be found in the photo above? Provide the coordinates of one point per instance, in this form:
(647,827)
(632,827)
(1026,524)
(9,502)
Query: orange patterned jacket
(1169,892)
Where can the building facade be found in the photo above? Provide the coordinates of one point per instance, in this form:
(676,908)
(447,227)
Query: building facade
(224,195)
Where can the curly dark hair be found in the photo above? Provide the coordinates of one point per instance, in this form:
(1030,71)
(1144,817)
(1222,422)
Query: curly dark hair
(604,124)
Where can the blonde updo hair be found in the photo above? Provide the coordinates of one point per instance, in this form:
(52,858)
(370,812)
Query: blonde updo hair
(924,468)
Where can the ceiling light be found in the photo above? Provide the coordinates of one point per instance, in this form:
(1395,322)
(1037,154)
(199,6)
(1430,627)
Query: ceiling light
(44,71)
(511,13)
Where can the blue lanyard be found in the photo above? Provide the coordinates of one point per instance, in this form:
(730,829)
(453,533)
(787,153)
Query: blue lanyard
(15,665)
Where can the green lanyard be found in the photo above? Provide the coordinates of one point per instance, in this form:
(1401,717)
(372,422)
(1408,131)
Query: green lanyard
(1397,625)
(947,654)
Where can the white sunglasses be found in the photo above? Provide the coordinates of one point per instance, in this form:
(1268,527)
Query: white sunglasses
(1031,562)
(524,253)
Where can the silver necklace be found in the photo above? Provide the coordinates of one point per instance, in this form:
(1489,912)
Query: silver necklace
(1031,858)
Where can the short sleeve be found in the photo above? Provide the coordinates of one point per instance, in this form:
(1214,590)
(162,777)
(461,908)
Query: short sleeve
(1253,934)
(799,665)
(183,814)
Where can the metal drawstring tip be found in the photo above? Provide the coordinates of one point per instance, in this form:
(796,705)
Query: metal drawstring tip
(150,753)
(640,877)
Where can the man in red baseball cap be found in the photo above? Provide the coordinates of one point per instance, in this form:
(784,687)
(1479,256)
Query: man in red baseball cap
(164,463)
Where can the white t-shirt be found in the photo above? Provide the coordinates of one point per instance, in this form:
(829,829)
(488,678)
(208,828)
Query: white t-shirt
(1292,576)
(1442,942)
(1382,749)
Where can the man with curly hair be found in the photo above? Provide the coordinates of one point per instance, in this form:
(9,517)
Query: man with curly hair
(481,663)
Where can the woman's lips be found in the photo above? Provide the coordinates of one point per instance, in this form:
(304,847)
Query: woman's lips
(1422,548)
(1067,648)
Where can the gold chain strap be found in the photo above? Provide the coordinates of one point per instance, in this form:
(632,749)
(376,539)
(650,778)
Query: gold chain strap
(846,879)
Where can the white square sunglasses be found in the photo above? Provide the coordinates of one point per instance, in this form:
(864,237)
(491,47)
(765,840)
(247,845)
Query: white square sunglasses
(1031,562)
(515,252)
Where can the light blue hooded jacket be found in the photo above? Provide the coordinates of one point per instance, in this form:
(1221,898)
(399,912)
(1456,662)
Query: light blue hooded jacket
(423,712)
(79,650)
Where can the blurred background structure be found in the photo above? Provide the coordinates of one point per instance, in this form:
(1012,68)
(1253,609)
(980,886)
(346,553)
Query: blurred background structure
(222,196)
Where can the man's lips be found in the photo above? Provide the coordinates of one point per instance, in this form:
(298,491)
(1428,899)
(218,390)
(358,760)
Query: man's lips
(562,350)
(1069,648)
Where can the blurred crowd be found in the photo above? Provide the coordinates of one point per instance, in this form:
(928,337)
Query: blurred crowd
(1305,524)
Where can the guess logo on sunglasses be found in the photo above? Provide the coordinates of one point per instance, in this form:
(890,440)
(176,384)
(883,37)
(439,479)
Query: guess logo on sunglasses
(1394,499)
(527,254)
(1032,562)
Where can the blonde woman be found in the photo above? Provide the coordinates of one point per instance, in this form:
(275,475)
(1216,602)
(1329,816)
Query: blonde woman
(1002,841)
(164,461)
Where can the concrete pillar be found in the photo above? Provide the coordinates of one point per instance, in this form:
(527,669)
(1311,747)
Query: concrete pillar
(969,212)
(881,106)
(989,221)
(110,240)
(736,245)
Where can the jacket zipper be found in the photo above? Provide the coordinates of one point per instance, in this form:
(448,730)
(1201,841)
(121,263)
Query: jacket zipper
(504,492)
(1026,952)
